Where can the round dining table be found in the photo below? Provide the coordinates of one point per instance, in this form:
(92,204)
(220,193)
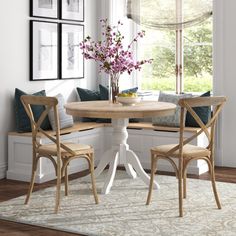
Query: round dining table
(120,153)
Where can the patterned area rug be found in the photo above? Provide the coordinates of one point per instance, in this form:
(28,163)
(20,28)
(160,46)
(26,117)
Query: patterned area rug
(123,212)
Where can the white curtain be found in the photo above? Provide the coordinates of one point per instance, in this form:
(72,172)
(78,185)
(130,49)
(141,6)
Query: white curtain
(169,14)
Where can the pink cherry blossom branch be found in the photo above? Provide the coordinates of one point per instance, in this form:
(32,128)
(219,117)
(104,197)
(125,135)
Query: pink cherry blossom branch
(110,53)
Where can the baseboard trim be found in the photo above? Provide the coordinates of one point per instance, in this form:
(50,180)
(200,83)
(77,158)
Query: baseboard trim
(218,157)
(3,169)
(43,178)
(196,170)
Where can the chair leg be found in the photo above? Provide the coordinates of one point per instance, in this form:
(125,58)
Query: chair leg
(66,181)
(31,186)
(153,170)
(212,172)
(180,192)
(91,167)
(184,182)
(58,190)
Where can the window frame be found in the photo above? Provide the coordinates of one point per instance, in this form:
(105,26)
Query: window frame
(179,55)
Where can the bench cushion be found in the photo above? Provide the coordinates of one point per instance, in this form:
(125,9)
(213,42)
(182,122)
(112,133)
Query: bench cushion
(82,126)
(77,127)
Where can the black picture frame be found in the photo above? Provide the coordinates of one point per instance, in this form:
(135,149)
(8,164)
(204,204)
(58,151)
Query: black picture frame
(44,50)
(72,10)
(44,8)
(71,57)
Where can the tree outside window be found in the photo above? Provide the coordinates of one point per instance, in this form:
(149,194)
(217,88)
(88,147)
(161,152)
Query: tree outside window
(182,56)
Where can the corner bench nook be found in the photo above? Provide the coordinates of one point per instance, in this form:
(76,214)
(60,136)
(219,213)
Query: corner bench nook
(142,136)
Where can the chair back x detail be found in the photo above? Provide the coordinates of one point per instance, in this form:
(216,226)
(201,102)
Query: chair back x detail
(49,103)
(188,104)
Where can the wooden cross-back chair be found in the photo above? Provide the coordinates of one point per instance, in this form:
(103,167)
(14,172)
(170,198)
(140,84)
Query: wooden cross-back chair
(185,152)
(59,153)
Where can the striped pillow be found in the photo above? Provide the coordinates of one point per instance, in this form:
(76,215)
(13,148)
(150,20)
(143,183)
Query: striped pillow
(65,120)
(173,120)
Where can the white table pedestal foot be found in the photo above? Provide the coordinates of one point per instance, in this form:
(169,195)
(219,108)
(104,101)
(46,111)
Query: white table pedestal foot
(110,175)
(120,154)
(134,161)
(130,171)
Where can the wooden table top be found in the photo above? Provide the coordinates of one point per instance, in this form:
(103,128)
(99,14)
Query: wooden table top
(104,109)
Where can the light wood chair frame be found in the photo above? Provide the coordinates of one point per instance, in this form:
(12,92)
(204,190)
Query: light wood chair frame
(61,162)
(180,168)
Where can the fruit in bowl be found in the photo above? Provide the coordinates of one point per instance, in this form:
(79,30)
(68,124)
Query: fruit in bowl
(130,94)
(128,99)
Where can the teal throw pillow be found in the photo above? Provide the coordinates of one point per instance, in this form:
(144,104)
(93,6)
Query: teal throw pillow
(88,95)
(22,120)
(104,92)
(174,120)
(204,114)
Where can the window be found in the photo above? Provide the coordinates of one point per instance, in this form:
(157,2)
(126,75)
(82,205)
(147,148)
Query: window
(198,58)
(182,57)
(160,75)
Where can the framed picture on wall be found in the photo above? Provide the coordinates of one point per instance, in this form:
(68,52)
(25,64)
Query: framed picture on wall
(72,60)
(44,8)
(43,50)
(72,10)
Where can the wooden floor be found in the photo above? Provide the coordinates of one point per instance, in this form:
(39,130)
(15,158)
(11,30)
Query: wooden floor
(10,189)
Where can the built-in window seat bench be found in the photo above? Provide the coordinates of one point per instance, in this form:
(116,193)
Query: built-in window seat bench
(142,136)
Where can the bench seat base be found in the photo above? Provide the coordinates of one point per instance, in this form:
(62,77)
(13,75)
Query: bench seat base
(142,136)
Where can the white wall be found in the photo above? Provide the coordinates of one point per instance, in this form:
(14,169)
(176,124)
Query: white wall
(225,77)
(14,64)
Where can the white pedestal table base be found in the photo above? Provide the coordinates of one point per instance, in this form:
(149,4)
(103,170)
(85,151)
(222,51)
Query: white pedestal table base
(120,154)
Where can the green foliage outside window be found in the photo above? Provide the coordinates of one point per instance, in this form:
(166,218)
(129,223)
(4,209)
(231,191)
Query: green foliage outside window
(197,59)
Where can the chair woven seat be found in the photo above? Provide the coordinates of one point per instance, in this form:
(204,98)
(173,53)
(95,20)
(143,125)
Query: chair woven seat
(188,151)
(79,149)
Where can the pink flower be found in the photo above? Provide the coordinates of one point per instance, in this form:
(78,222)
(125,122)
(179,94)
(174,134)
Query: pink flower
(110,53)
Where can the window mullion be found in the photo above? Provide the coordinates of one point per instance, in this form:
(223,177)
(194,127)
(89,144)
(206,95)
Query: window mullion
(177,61)
(179,48)
(181,69)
